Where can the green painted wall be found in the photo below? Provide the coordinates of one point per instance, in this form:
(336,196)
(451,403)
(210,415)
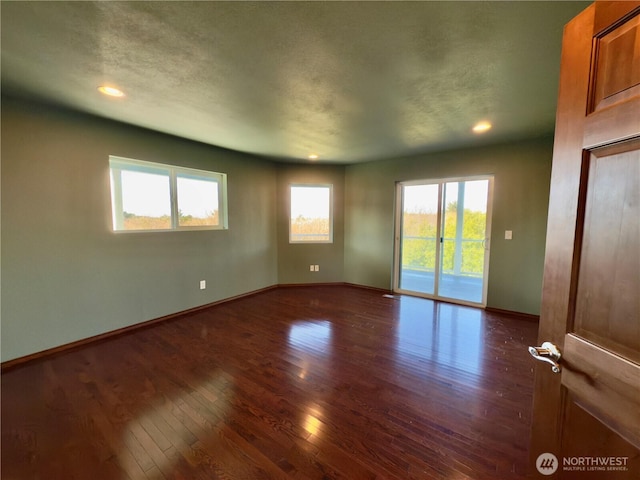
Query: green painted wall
(521,189)
(294,259)
(66,276)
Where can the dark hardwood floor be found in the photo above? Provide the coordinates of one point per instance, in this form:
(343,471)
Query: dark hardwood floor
(305,383)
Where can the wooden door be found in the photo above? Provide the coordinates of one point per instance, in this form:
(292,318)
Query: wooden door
(586,420)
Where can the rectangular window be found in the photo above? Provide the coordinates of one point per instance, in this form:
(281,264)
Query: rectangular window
(148,196)
(311,219)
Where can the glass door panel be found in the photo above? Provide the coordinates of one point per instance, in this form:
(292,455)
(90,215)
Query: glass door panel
(419,238)
(464,222)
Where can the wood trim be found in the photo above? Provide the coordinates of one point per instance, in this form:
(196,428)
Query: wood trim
(383,291)
(338,284)
(529,317)
(67,347)
(318,284)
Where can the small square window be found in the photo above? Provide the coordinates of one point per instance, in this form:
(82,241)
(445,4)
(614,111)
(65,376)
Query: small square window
(311,219)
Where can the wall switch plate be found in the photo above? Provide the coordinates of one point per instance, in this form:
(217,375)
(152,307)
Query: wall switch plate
(311,268)
(508,234)
(203,284)
(316,268)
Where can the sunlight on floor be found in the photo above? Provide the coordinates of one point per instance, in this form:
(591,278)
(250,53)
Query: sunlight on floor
(311,335)
(445,335)
(170,429)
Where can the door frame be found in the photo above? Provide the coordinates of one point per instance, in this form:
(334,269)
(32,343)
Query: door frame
(397,248)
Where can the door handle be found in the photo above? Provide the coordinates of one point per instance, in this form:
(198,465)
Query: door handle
(549,353)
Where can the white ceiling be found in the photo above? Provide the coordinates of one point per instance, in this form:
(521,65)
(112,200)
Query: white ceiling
(349,81)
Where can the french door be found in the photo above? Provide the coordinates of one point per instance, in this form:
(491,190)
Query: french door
(442,239)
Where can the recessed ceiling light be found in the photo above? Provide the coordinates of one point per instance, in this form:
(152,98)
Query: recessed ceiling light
(313,156)
(481,127)
(111,91)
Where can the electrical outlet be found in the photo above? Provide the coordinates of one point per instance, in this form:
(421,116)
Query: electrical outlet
(311,268)
(316,268)
(203,284)
(508,234)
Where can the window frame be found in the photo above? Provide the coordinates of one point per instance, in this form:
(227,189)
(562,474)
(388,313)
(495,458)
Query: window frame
(117,163)
(329,186)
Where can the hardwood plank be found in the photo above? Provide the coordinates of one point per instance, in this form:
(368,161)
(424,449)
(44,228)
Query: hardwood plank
(312,383)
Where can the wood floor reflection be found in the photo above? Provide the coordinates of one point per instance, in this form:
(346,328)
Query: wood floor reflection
(305,383)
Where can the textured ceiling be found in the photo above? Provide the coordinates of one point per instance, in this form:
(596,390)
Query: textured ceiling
(349,81)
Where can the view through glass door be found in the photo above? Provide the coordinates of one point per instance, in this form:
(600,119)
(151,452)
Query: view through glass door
(442,247)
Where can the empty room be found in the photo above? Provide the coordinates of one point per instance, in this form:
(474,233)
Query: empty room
(320,240)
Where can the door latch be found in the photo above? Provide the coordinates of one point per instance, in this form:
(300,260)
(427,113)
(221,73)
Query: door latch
(549,353)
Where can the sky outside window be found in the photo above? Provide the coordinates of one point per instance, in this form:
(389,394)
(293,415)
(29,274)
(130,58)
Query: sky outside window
(145,194)
(310,202)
